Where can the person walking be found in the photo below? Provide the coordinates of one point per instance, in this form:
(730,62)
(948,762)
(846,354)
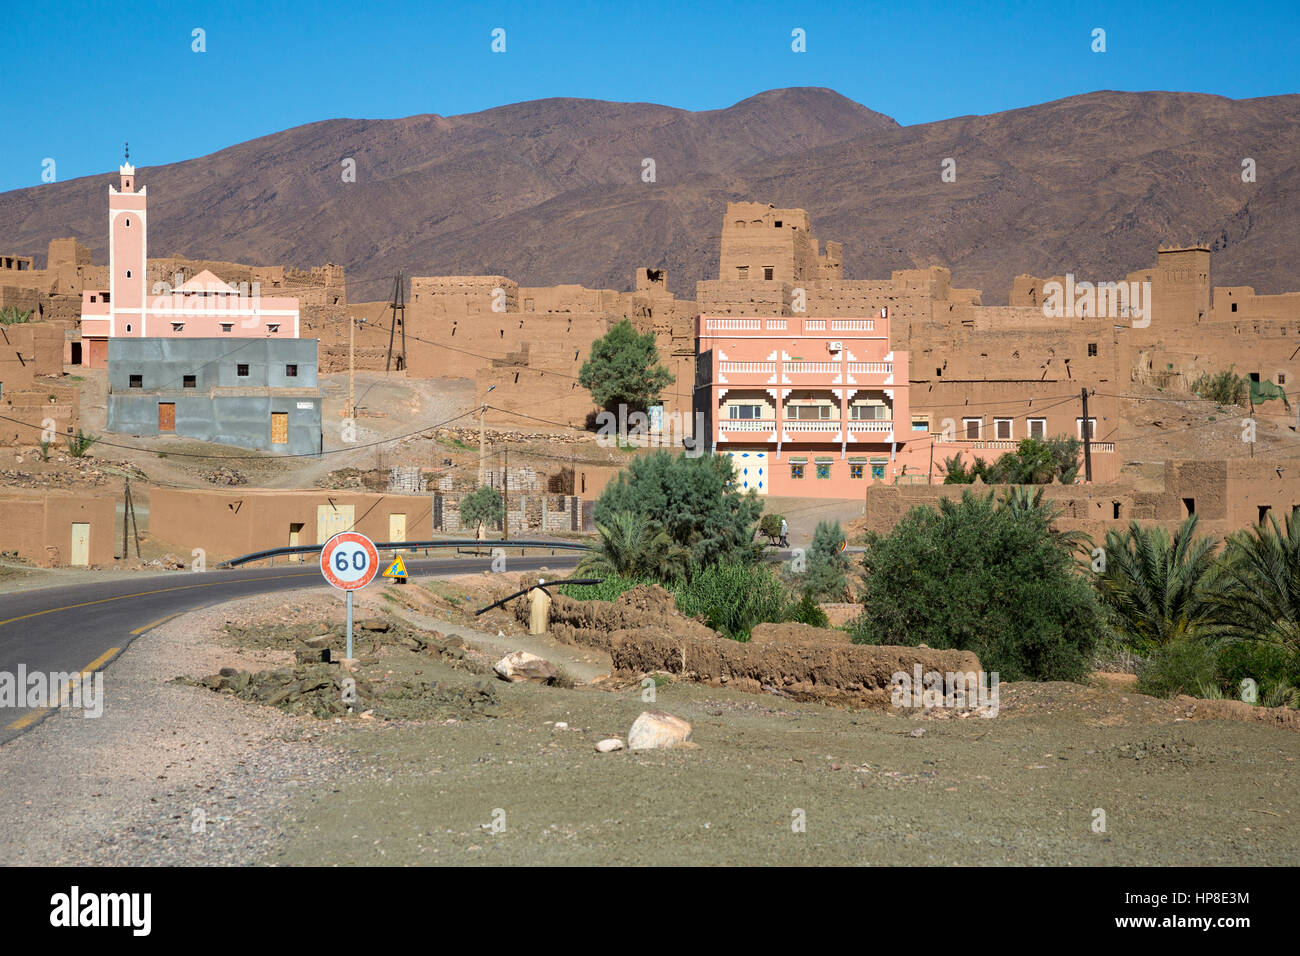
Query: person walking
(785,530)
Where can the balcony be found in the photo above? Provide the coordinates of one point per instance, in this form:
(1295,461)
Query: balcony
(766,425)
(884,425)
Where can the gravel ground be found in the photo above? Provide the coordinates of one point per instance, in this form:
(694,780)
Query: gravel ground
(122,789)
(1023,788)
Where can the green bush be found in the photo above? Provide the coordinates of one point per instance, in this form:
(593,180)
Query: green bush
(1260,662)
(1178,668)
(827,573)
(733,598)
(985,578)
(609,589)
(624,369)
(1223,388)
(695,500)
(479,507)
(807,611)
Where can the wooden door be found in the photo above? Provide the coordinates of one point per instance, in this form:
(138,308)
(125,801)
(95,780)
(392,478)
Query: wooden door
(167,416)
(279,428)
(80,544)
(331,519)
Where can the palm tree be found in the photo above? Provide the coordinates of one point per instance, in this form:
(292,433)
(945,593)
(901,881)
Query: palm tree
(632,545)
(1260,593)
(1162,589)
(1020,500)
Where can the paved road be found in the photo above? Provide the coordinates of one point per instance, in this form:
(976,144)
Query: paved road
(83,627)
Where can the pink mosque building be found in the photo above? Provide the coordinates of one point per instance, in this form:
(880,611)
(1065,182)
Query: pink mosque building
(811,407)
(203,307)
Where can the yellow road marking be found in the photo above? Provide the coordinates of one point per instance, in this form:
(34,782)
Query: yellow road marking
(183,587)
(141,630)
(29,718)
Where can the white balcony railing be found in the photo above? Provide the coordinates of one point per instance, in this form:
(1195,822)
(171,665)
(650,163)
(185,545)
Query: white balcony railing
(853,325)
(731,368)
(871,425)
(776,325)
(747,424)
(811,425)
(812,368)
(733,325)
(814,325)
(871,368)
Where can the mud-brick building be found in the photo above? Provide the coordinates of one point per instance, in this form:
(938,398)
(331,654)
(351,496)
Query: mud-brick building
(254,393)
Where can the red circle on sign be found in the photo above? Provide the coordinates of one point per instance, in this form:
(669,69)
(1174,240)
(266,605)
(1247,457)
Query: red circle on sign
(349,560)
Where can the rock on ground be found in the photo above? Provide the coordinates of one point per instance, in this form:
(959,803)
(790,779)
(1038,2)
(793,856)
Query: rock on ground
(520,666)
(655,730)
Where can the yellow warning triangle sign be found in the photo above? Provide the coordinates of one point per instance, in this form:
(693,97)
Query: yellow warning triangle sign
(397,569)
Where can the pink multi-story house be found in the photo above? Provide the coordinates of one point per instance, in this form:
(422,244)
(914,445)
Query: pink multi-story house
(810,407)
(203,307)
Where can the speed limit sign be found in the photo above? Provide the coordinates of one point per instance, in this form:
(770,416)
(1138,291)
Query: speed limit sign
(349,561)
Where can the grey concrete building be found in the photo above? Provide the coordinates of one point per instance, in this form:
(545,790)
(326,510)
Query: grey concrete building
(254,393)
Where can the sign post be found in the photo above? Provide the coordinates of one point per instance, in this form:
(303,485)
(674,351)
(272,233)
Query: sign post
(349,561)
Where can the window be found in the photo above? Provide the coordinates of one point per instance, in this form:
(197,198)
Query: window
(1281,378)
(1114,510)
(823,469)
(742,272)
(1037,427)
(971,427)
(768,272)
(273,326)
(796,470)
(104,297)
(128,273)
(92,299)
(227,326)
(128,326)
(1263,512)
(137,381)
(808,412)
(870,413)
(291,371)
(1234,307)
(878,471)
(1189,506)
(855,471)
(1002,428)
(1092,428)
(920,424)
(241,371)
(745,411)
(1092,349)
(188,381)
(128,222)
(178,326)
(777,224)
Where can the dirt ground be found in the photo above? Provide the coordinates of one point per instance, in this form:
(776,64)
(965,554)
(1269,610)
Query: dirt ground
(771,781)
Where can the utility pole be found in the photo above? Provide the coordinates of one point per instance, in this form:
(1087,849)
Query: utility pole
(505,495)
(930,478)
(482,442)
(1087,438)
(352,341)
(398,305)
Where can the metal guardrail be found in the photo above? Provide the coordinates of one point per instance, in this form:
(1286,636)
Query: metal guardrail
(458,543)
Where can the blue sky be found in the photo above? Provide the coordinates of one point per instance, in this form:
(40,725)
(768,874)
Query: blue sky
(80,78)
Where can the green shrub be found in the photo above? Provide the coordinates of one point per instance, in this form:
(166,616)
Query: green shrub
(1223,388)
(79,444)
(807,611)
(734,597)
(993,580)
(827,574)
(609,589)
(1177,668)
(1260,662)
(695,500)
